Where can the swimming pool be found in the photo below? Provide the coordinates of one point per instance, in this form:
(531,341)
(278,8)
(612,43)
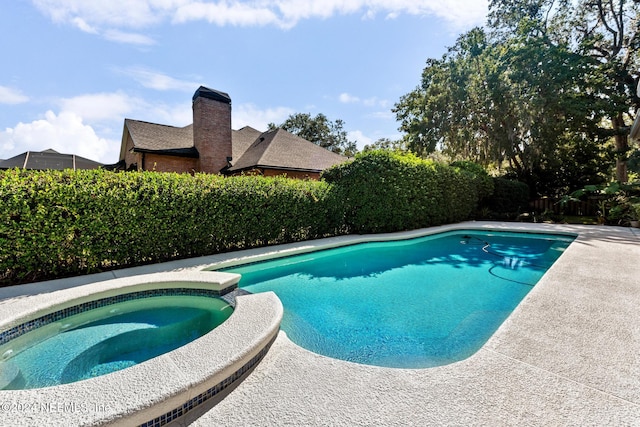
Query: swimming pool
(416,303)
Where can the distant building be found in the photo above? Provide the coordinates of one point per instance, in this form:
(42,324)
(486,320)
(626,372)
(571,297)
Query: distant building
(48,159)
(210,145)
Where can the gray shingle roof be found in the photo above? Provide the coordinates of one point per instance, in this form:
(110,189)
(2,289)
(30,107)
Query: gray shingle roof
(152,137)
(241,140)
(280,149)
(48,159)
(276,149)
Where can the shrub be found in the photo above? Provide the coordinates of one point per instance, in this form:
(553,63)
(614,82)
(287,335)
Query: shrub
(384,191)
(483,182)
(617,202)
(509,197)
(61,223)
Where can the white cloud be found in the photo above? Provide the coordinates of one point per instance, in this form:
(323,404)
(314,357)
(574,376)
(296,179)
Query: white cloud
(174,115)
(114,14)
(159,81)
(64,132)
(346,98)
(102,107)
(83,26)
(374,101)
(250,115)
(223,13)
(11,96)
(128,38)
(106,18)
(360,138)
(383,115)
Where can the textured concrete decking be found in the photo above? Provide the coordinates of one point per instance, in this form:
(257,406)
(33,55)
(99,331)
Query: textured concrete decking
(568,355)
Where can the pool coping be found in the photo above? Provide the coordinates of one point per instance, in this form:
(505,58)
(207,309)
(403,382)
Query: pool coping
(191,374)
(566,355)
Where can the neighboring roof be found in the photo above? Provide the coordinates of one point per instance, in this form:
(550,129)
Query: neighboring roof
(162,139)
(48,159)
(279,149)
(121,165)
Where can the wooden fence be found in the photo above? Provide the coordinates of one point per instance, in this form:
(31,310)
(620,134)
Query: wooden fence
(587,207)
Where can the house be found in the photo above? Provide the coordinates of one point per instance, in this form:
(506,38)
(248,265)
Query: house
(48,159)
(210,145)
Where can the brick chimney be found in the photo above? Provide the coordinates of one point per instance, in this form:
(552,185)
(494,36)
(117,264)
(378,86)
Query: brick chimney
(212,129)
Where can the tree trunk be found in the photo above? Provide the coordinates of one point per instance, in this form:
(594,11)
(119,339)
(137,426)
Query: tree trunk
(622,147)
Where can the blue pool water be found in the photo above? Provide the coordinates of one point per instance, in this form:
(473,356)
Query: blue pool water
(107,339)
(412,304)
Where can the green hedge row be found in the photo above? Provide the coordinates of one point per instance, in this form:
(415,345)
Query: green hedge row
(62,223)
(384,191)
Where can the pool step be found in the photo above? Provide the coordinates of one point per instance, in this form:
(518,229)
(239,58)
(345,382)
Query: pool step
(10,376)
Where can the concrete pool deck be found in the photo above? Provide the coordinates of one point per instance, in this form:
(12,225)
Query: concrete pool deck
(568,355)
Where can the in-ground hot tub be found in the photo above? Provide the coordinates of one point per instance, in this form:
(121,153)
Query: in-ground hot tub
(107,335)
(155,391)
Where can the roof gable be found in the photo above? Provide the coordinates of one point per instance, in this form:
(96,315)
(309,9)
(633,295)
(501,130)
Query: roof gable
(279,149)
(154,137)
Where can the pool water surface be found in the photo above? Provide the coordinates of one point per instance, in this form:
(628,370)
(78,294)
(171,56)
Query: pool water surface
(415,303)
(107,339)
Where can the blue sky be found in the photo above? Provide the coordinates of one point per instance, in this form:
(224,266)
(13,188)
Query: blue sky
(73,70)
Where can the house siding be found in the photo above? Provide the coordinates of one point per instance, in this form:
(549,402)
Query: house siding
(166,163)
(129,156)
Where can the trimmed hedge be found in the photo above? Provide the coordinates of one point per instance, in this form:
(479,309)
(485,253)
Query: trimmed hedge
(384,191)
(481,178)
(62,223)
(509,197)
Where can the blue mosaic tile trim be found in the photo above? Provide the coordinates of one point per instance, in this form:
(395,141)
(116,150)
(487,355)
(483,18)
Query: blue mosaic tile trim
(230,297)
(210,393)
(16,331)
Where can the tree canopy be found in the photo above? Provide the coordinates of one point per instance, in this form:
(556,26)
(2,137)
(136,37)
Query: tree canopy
(321,131)
(386,144)
(543,90)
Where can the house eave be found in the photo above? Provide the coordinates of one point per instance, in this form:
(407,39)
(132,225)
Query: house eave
(177,152)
